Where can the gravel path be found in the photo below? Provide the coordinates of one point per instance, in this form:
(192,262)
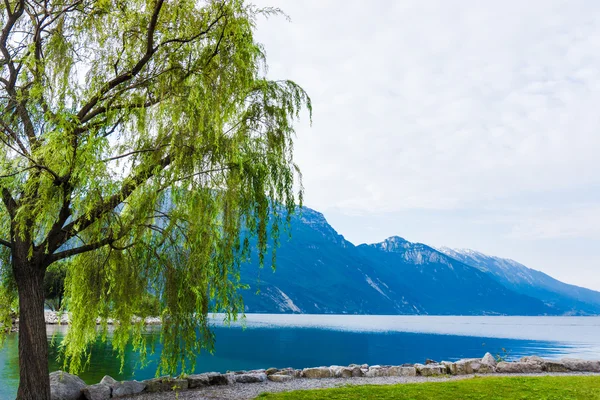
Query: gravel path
(247,391)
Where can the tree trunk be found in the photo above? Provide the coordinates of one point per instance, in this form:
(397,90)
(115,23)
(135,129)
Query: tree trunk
(34,381)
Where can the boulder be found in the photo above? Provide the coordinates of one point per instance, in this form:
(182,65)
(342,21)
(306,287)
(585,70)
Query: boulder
(127,388)
(197,381)
(258,371)
(271,371)
(518,367)
(317,373)
(402,371)
(165,384)
(578,365)
(107,380)
(64,386)
(280,378)
(216,379)
(554,366)
(377,371)
(288,371)
(430,369)
(251,378)
(465,366)
(341,372)
(532,359)
(471,366)
(450,368)
(489,360)
(99,391)
(429,361)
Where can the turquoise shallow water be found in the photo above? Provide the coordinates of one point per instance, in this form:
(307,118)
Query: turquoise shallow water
(312,340)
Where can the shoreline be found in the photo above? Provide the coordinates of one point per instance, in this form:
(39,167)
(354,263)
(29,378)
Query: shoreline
(55,318)
(250,391)
(249,384)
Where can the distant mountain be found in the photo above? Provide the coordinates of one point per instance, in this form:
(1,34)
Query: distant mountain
(569,299)
(318,271)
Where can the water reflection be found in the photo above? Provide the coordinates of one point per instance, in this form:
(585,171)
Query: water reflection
(264,345)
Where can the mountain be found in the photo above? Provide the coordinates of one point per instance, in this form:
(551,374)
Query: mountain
(569,299)
(318,271)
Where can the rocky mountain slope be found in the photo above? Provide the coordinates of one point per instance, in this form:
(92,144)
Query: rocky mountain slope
(570,299)
(318,271)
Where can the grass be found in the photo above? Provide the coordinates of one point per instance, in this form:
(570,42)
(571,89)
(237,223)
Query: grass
(546,387)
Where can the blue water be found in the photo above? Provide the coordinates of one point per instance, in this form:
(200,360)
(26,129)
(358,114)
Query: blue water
(312,340)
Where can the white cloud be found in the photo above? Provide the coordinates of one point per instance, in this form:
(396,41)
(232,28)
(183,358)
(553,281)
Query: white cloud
(452,122)
(579,222)
(441,104)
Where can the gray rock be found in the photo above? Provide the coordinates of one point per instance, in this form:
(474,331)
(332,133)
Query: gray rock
(280,378)
(197,381)
(64,386)
(288,371)
(127,388)
(251,378)
(272,371)
(164,384)
(402,371)
(99,391)
(107,380)
(532,359)
(377,371)
(216,379)
(317,373)
(430,369)
(518,367)
(450,368)
(471,366)
(554,366)
(489,359)
(575,364)
(258,371)
(341,372)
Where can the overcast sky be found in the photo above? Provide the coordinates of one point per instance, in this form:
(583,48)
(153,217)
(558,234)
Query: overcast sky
(469,124)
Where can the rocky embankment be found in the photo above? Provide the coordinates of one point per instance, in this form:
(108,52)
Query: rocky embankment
(56,318)
(69,387)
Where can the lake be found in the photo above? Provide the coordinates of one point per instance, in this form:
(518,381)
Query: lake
(313,340)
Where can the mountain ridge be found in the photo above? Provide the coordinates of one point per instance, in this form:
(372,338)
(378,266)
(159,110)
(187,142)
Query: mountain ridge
(319,271)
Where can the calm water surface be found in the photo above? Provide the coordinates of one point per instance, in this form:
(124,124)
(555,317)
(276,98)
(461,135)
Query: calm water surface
(312,340)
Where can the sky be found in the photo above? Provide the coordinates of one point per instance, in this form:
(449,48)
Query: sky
(459,123)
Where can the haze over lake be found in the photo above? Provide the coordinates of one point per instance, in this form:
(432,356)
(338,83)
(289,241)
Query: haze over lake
(276,340)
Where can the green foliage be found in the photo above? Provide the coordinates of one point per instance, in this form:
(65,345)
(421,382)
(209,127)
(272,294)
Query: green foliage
(139,140)
(504,355)
(54,285)
(549,387)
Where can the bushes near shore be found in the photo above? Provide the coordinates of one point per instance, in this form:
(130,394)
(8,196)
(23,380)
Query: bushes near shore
(545,387)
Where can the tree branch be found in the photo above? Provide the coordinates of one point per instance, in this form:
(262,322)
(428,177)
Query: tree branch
(82,249)
(9,202)
(6,243)
(124,77)
(129,186)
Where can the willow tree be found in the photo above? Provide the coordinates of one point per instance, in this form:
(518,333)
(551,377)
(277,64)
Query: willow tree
(141,146)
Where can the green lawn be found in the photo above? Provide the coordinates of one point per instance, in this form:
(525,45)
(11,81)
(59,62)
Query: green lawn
(549,387)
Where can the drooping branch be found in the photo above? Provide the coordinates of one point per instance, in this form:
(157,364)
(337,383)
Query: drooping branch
(102,208)
(130,74)
(92,110)
(6,243)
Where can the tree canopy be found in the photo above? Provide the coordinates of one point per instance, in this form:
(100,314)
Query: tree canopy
(141,145)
